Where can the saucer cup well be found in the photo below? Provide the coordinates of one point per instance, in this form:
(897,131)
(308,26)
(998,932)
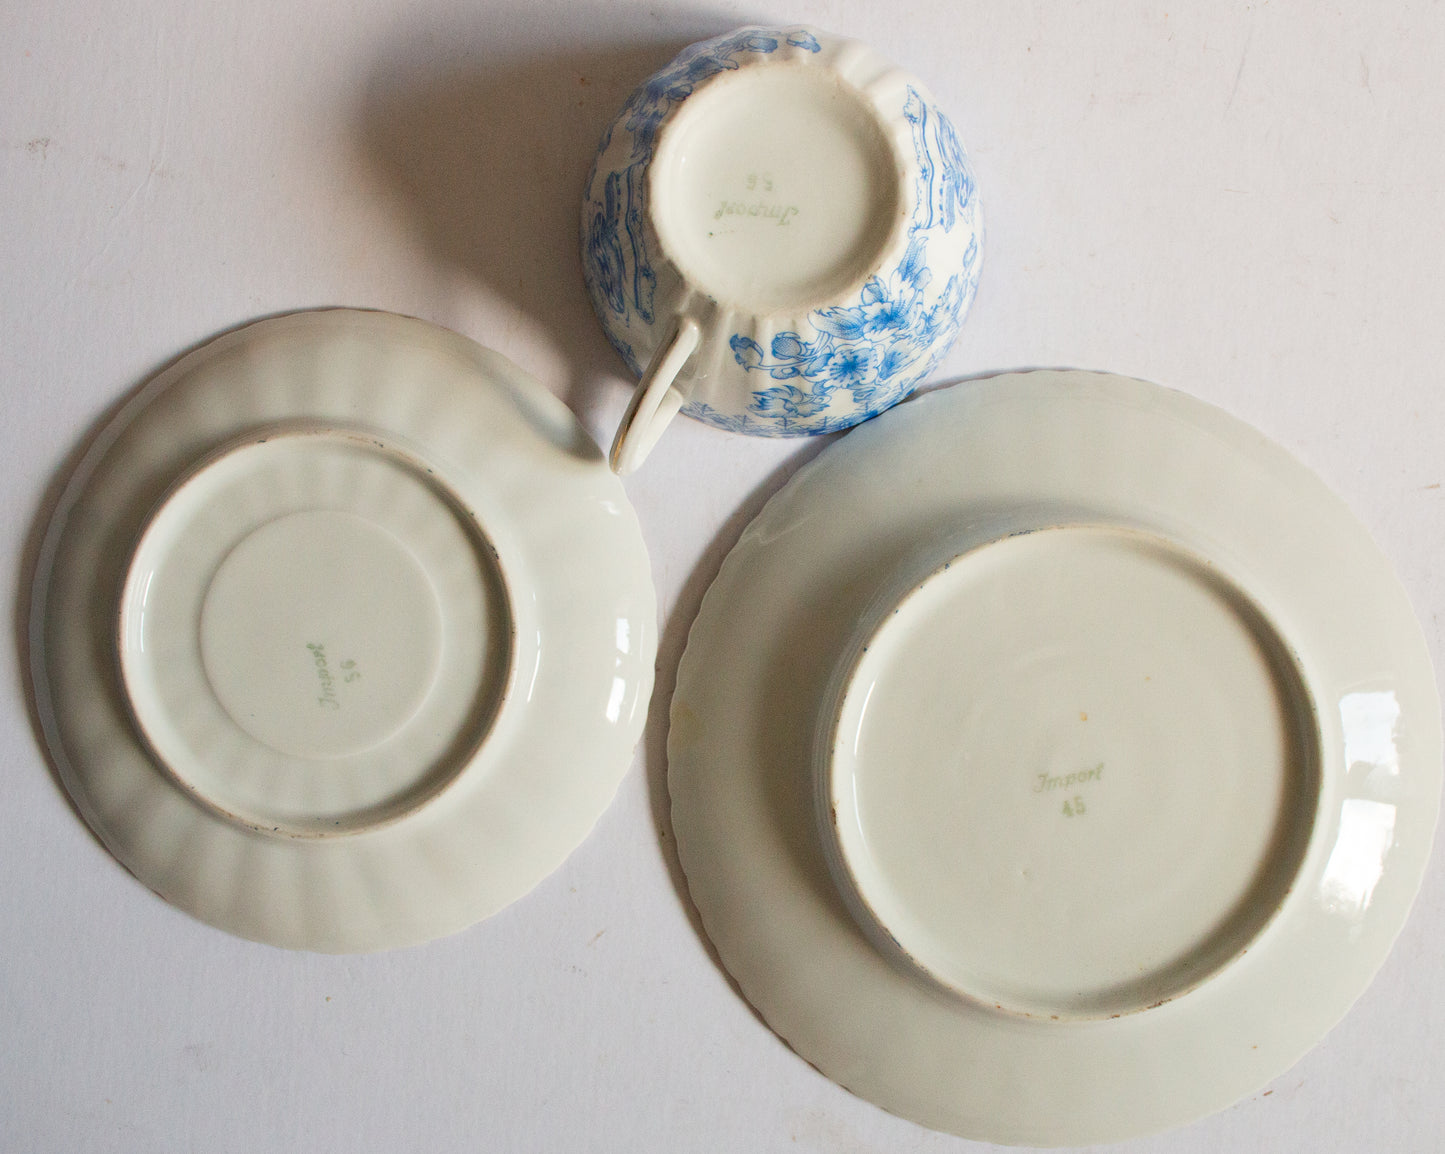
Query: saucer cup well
(314,635)
(1068,773)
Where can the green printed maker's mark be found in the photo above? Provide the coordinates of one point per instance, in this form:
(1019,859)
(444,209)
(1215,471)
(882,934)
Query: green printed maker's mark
(328,697)
(1074,806)
(758,203)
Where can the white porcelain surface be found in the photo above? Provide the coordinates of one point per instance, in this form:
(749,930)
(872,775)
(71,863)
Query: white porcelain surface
(1068,774)
(1054,759)
(823,202)
(384,640)
(781,235)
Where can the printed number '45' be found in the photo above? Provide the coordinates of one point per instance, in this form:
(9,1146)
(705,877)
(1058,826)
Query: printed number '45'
(1074,806)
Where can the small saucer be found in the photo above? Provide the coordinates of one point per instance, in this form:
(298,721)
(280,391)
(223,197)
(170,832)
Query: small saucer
(343,632)
(1054,760)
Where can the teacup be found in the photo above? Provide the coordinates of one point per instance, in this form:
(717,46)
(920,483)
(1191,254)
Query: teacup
(781,236)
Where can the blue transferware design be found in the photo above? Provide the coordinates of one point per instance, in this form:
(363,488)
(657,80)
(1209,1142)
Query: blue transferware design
(883,347)
(860,358)
(624,203)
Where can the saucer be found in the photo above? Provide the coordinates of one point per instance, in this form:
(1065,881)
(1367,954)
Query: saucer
(343,632)
(1054,760)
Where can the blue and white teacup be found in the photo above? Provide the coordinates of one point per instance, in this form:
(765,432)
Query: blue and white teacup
(781,236)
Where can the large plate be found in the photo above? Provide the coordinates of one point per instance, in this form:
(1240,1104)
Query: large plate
(343,632)
(1054,759)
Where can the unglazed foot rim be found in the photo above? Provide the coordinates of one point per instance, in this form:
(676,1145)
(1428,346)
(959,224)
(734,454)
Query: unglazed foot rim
(314,635)
(1028,783)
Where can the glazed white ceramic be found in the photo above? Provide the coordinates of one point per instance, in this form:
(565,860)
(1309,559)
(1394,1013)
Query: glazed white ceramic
(343,632)
(781,236)
(1043,677)
(320,593)
(1054,760)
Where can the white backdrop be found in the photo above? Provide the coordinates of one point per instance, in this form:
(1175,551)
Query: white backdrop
(1246,204)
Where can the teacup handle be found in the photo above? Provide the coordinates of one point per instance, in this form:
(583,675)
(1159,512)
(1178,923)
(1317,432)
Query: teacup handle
(655,402)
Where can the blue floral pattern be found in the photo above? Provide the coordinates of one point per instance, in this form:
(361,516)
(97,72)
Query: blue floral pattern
(880,349)
(858,359)
(618,220)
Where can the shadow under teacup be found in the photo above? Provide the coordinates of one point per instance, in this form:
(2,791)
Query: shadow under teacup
(781,236)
